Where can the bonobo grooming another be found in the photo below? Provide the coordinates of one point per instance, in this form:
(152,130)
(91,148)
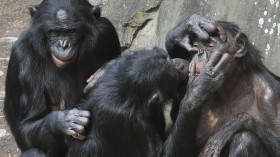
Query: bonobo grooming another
(127,104)
(48,68)
(68,41)
(242,117)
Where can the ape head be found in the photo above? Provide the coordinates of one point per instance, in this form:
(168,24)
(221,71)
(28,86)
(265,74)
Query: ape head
(242,54)
(64,29)
(155,75)
(142,77)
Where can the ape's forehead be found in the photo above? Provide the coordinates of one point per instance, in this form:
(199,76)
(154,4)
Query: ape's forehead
(61,14)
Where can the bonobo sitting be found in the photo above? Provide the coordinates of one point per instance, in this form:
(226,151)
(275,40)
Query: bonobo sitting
(241,118)
(66,42)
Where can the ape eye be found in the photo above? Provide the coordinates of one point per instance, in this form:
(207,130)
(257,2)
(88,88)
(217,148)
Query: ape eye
(211,44)
(72,31)
(53,32)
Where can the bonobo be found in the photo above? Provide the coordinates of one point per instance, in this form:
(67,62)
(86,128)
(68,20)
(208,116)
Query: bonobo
(241,118)
(48,68)
(127,105)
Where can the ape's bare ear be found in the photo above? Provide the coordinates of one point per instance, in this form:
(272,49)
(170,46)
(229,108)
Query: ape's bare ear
(32,10)
(96,11)
(241,44)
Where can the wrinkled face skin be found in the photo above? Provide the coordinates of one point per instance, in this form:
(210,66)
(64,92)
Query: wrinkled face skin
(66,28)
(62,41)
(203,52)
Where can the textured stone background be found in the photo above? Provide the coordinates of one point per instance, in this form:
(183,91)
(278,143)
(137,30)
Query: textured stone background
(143,24)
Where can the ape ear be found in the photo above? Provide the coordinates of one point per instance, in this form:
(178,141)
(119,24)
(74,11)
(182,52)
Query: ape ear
(155,98)
(241,41)
(96,11)
(32,10)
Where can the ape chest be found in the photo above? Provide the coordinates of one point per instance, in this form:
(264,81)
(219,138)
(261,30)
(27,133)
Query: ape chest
(216,114)
(62,95)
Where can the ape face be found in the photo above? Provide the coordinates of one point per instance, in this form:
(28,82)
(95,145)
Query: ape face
(65,28)
(63,44)
(203,52)
(235,46)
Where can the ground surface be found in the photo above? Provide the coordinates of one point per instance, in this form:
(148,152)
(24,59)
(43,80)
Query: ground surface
(14,18)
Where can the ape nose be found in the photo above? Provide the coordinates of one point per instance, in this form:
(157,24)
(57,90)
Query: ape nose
(64,44)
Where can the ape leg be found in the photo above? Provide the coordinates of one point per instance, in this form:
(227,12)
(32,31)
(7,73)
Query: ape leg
(34,152)
(246,144)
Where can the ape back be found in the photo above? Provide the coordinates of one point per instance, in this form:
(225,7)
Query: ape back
(127,107)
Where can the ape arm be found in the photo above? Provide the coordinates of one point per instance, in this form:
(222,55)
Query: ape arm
(199,90)
(239,123)
(28,111)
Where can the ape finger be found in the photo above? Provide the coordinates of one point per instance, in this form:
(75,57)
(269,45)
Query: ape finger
(185,43)
(192,73)
(77,128)
(90,78)
(208,25)
(201,26)
(79,136)
(192,69)
(93,79)
(81,113)
(97,76)
(200,33)
(213,59)
(70,132)
(81,121)
(222,63)
(222,33)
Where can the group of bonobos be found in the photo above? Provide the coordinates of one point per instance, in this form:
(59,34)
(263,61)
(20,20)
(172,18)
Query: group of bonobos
(225,102)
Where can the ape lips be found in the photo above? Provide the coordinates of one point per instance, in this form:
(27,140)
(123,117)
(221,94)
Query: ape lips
(203,52)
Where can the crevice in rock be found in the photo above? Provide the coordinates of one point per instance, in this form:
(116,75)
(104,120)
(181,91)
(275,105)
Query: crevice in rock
(138,22)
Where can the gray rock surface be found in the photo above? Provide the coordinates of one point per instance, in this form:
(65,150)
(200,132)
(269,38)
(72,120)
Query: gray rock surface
(144,23)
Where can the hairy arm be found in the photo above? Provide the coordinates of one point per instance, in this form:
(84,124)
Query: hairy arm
(199,90)
(28,111)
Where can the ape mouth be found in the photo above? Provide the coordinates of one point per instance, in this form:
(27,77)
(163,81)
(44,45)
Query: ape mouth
(62,56)
(60,62)
(196,68)
(199,59)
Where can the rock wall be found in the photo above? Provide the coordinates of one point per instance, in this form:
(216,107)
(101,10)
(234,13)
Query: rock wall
(144,23)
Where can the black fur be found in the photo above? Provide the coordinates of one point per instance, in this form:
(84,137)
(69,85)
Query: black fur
(127,107)
(34,83)
(245,134)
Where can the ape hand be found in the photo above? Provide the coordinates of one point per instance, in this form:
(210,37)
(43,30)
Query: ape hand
(212,75)
(70,122)
(194,27)
(97,76)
